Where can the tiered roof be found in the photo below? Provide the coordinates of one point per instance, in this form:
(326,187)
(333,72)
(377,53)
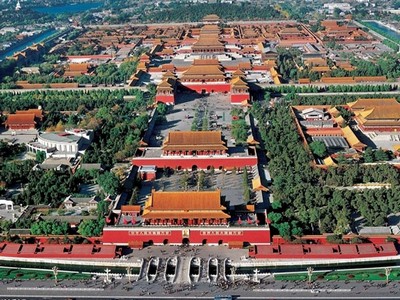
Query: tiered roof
(21,119)
(188,204)
(166,84)
(238,82)
(194,140)
(377,112)
(204,72)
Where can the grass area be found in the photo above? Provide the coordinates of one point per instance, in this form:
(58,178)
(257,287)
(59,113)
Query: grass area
(375,274)
(24,274)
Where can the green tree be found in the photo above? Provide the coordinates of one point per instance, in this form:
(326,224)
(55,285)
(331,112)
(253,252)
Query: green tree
(381,155)
(102,208)
(40,156)
(89,228)
(318,148)
(369,155)
(109,183)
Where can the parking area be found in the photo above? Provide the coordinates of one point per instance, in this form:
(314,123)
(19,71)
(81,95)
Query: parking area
(19,137)
(192,108)
(230,183)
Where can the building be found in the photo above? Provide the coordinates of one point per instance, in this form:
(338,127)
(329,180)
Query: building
(190,217)
(68,144)
(192,150)
(166,89)
(24,119)
(194,143)
(381,115)
(330,7)
(81,203)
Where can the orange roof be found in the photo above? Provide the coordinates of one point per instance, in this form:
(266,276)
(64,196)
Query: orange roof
(304,80)
(210,28)
(37,112)
(167,83)
(79,67)
(320,69)
(208,40)
(194,140)
(238,72)
(351,138)
(211,18)
(20,119)
(202,62)
(329,162)
(337,80)
(238,82)
(316,62)
(206,71)
(257,185)
(364,103)
(130,208)
(168,74)
(204,214)
(184,201)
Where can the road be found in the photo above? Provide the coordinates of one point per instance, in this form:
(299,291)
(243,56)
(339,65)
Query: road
(121,289)
(184,23)
(112,88)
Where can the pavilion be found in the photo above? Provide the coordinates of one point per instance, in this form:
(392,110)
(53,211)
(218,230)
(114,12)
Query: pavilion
(382,115)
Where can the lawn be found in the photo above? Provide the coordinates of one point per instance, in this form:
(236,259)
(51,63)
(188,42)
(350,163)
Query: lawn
(25,274)
(373,274)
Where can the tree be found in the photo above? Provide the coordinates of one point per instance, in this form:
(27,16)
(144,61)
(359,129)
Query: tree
(381,155)
(102,208)
(318,148)
(109,183)
(91,228)
(40,156)
(368,155)
(336,12)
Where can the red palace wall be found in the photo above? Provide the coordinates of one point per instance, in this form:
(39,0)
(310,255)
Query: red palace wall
(165,98)
(380,129)
(209,88)
(238,98)
(162,235)
(21,127)
(199,162)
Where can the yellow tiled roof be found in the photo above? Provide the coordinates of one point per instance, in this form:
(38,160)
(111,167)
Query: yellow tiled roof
(351,138)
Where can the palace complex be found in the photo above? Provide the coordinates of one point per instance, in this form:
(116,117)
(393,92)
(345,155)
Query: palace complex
(195,217)
(382,115)
(209,59)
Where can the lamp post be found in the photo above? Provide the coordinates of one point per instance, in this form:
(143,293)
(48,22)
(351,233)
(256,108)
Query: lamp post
(256,271)
(128,273)
(55,273)
(387,273)
(310,271)
(107,274)
(233,270)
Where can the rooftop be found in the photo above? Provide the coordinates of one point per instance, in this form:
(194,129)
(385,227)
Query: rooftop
(60,137)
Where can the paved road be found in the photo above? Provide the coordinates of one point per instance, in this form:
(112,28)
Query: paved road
(184,23)
(121,289)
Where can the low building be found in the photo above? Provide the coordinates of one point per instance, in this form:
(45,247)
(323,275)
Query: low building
(195,150)
(87,203)
(382,115)
(24,119)
(68,144)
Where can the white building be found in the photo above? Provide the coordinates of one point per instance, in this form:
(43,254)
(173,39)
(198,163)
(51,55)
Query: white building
(68,144)
(330,7)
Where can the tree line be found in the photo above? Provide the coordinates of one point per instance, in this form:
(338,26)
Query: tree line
(310,200)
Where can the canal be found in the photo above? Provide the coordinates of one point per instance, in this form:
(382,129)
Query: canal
(380,27)
(31,41)
(68,9)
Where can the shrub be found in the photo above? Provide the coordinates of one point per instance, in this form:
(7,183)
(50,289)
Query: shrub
(350,276)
